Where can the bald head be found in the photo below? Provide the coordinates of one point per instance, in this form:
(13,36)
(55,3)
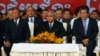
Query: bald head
(50,16)
(51,13)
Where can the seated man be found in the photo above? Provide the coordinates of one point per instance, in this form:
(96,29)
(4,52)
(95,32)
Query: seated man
(51,25)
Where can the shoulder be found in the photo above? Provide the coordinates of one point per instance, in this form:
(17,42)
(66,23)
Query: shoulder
(57,22)
(45,22)
(37,18)
(92,20)
(78,19)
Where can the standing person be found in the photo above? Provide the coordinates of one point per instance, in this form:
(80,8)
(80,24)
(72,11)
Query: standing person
(43,15)
(1,32)
(77,15)
(59,14)
(85,29)
(67,16)
(17,31)
(95,14)
(30,12)
(59,17)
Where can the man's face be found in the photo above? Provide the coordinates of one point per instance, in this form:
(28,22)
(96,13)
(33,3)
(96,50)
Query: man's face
(44,14)
(67,15)
(50,17)
(59,14)
(83,14)
(9,15)
(30,12)
(15,14)
(94,15)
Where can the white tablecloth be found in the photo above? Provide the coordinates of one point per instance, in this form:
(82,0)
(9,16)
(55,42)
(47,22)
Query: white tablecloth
(25,49)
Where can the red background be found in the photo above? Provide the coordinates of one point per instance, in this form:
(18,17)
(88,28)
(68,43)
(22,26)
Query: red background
(73,3)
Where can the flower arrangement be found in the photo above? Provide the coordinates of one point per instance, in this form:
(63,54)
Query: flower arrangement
(46,37)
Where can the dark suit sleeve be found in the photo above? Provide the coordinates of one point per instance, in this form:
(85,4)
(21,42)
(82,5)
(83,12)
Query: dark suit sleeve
(62,31)
(94,30)
(68,29)
(27,31)
(75,30)
(7,32)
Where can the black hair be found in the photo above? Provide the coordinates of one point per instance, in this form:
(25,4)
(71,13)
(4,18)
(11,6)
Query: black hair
(84,7)
(67,10)
(96,12)
(59,9)
(76,11)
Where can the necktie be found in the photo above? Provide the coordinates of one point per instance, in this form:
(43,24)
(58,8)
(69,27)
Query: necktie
(84,25)
(31,20)
(15,21)
(59,20)
(50,25)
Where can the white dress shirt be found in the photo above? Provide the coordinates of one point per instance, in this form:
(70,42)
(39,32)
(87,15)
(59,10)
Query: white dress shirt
(60,20)
(31,19)
(86,25)
(51,24)
(72,22)
(17,21)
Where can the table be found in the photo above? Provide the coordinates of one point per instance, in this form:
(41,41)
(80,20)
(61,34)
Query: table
(26,49)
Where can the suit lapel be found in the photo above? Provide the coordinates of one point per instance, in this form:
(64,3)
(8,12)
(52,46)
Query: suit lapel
(35,22)
(19,23)
(81,27)
(47,26)
(89,26)
(54,27)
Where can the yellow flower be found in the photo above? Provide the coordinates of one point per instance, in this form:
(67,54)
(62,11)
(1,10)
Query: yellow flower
(32,39)
(51,38)
(46,37)
(59,40)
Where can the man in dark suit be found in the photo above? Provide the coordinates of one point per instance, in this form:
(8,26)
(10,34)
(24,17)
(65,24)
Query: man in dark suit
(1,32)
(59,17)
(43,15)
(30,12)
(51,25)
(17,31)
(85,29)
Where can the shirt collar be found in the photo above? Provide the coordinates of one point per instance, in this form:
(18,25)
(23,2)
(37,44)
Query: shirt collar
(31,17)
(52,23)
(60,20)
(87,19)
(17,20)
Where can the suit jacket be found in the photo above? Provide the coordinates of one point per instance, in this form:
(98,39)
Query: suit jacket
(1,33)
(37,23)
(78,30)
(17,33)
(57,27)
(69,31)
(66,20)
